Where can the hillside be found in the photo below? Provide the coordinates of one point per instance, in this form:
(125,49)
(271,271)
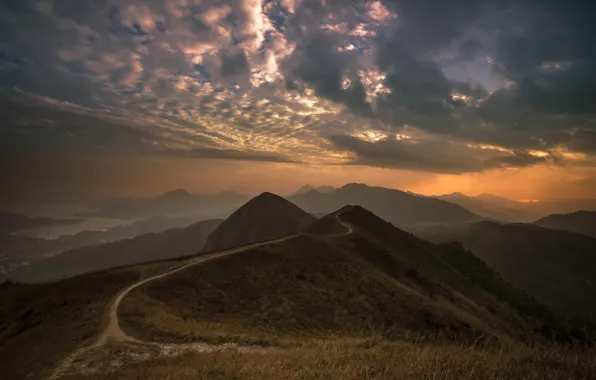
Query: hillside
(403,209)
(41,324)
(581,222)
(264,217)
(153,246)
(358,277)
(556,267)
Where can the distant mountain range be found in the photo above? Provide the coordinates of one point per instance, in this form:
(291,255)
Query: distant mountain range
(581,222)
(557,267)
(174,203)
(172,243)
(507,210)
(20,251)
(403,209)
(307,188)
(494,207)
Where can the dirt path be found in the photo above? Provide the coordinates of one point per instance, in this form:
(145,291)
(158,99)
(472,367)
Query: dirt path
(113,332)
(80,360)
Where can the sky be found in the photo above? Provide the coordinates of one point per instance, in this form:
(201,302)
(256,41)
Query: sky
(130,97)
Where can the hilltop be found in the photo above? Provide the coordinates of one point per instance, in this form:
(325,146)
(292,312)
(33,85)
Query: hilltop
(264,217)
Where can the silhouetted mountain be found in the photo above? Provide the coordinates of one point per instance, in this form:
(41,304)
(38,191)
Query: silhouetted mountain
(581,222)
(494,207)
(11,222)
(264,217)
(556,267)
(173,203)
(307,188)
(398,207)
(153,246)
(351,275)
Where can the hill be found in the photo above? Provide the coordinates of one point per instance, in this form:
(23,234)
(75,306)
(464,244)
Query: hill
(352,275)
(264,217)
(403,209)
(149,247)
(556,267)
(581,222)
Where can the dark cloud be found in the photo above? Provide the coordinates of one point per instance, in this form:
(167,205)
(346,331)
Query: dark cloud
(468,50)
(428,155)
(318,63)
(234,63)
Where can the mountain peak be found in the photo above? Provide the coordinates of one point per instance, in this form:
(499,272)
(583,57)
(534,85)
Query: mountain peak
(264,217)
(268,197)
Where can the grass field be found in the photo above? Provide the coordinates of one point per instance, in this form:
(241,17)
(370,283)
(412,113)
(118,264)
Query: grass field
(372,360)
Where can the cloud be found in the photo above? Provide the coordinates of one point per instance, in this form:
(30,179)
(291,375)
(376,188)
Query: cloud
(226,154)
(253,80)
(433,155)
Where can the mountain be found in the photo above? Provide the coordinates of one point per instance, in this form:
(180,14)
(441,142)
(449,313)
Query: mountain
(581,222)
(351,296)
(349,275)
(264,217)
(398,207)
(307,188)
(173,203)
(149,247)
(494,207)
(556,267)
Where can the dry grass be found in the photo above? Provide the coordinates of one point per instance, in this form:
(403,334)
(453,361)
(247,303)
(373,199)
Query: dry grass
(376,360)
(41,324)
(301,289)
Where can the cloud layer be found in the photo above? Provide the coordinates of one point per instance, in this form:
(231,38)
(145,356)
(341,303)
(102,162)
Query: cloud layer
(439,86)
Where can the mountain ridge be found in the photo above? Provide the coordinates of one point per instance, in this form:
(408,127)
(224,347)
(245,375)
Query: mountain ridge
(396,206)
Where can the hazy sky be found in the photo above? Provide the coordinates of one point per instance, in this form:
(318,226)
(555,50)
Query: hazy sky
(124,97)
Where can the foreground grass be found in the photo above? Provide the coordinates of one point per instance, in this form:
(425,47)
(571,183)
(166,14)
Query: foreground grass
(42,324)
(380,360)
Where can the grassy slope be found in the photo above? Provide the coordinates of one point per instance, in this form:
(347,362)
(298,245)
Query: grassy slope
(378,281)
(41,324)
(556,267)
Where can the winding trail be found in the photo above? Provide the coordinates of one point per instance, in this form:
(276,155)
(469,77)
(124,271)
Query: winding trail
(113,333)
